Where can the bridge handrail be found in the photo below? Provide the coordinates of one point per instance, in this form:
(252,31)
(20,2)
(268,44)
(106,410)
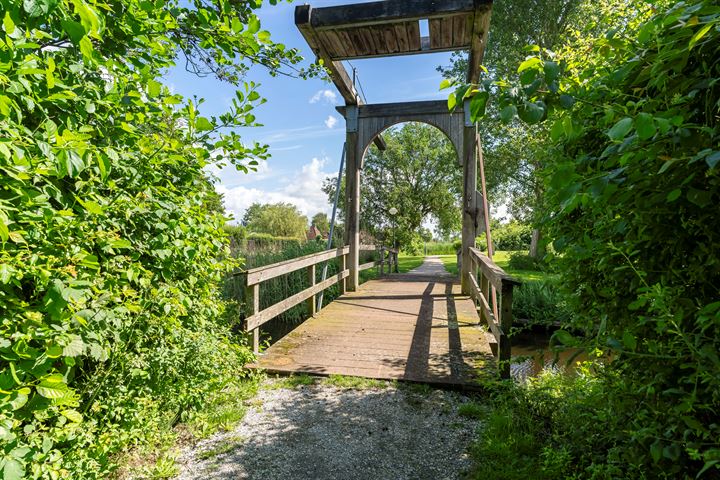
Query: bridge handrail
(254,277)
(491,279)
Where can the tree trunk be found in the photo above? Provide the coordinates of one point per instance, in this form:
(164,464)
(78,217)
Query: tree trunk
(535,243)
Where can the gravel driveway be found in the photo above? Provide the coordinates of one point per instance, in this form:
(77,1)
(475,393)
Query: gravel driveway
(320,432)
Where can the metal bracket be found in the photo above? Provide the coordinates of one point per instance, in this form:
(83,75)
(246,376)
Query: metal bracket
(466,111)
(351,118)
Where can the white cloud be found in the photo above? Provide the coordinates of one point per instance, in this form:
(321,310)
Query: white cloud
(325,96)
(304,190)
(331,121)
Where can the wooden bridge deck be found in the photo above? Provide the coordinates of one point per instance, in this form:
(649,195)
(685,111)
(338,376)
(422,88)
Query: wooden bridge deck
(415,327)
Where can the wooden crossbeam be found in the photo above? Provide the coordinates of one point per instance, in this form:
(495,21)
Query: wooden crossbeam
(390,11)
(478,42)
(430,107)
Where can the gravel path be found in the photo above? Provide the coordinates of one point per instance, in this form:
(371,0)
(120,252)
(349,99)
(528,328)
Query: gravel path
(321,432)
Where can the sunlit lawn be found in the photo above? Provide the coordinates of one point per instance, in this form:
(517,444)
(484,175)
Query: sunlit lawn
(405,264)
(501,258)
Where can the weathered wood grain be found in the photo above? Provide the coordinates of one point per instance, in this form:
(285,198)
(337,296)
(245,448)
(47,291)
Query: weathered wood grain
(403,327)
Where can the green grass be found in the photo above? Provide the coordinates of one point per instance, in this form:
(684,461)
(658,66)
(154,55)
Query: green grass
(472,410)
(501,258)
(405,264)
(356,383)
(290,382)
(233,443)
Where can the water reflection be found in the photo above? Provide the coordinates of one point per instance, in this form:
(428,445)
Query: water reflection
(532,355)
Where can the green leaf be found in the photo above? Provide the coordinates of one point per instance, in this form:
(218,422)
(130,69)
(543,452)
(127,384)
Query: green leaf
(38,8)
(674,195)
(645,126)
(564,337)
(656,450)
(253,25)
(446,83)
(452,102)
(566,101)
(620,129)
(4,231)
(12,469)
(508,113)
(478,104)
(86,47)
(73,415)
(699,35)
(552,71)
(202,124)
(531,62)
(701,198)
(629,340)
(531,112)
(52,391)
(713,159)
(8,24)
(557,130)
(75,348)
(74,30)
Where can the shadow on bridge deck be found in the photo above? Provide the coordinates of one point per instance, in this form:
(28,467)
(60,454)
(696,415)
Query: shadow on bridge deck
(414,327)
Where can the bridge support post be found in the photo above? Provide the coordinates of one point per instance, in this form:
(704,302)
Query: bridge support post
(470,171)
(352,186)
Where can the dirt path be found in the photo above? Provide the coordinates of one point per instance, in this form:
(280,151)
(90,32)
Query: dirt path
(322,432)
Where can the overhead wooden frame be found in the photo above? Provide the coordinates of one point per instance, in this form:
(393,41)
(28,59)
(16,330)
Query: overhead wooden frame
(392,28)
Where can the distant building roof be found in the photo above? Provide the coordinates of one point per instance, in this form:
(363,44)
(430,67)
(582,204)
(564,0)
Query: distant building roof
(314,233)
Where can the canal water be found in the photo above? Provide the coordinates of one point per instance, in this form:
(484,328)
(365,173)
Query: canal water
(532,355)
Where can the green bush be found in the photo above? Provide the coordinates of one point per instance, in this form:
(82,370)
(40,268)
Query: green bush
(541,303)
(521,261)
(112,327)
(513,235)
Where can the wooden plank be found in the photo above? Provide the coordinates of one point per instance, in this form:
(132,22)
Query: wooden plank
(506,320)
(478,42)
(269,313)
(460,29)
(252,302)
(391,40)
(312,301)
(418,109)
(413,35)
(435,33)
(367,266)
(468,203)
(348,44)
(262,274)
(401,35)
(486,313)
(334,43)
(338,74)
(378,35)
(412,328)
(389,11)
(494,274)
(446,33)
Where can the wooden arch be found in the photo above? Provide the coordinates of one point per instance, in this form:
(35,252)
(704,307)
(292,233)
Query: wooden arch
(372,120)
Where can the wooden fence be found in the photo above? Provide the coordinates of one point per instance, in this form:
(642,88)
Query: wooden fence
(486,279)
(252,280)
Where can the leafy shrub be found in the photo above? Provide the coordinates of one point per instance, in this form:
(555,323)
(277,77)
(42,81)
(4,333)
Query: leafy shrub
(541,303)
(633,184)
(112,328)
(513,235)
(441,248)
(521,261)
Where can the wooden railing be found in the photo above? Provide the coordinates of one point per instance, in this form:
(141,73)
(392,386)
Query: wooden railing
(486,279)
(252,280)
(387,256)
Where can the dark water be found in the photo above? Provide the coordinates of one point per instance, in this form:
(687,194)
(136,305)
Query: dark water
(532,355)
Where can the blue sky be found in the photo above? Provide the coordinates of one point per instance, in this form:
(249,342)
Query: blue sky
(300,124)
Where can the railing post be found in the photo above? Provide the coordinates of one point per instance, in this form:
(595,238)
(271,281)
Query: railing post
(397,262)
(506,320)
(312,309)
(382,262)
(343,267)
(252,305)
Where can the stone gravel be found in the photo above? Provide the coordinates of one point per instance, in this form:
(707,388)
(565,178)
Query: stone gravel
(320,432)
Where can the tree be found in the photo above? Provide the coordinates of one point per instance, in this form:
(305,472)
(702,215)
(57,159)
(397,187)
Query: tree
(112,325)
(320,220)
(515,152)
(277,219)
(418,175)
